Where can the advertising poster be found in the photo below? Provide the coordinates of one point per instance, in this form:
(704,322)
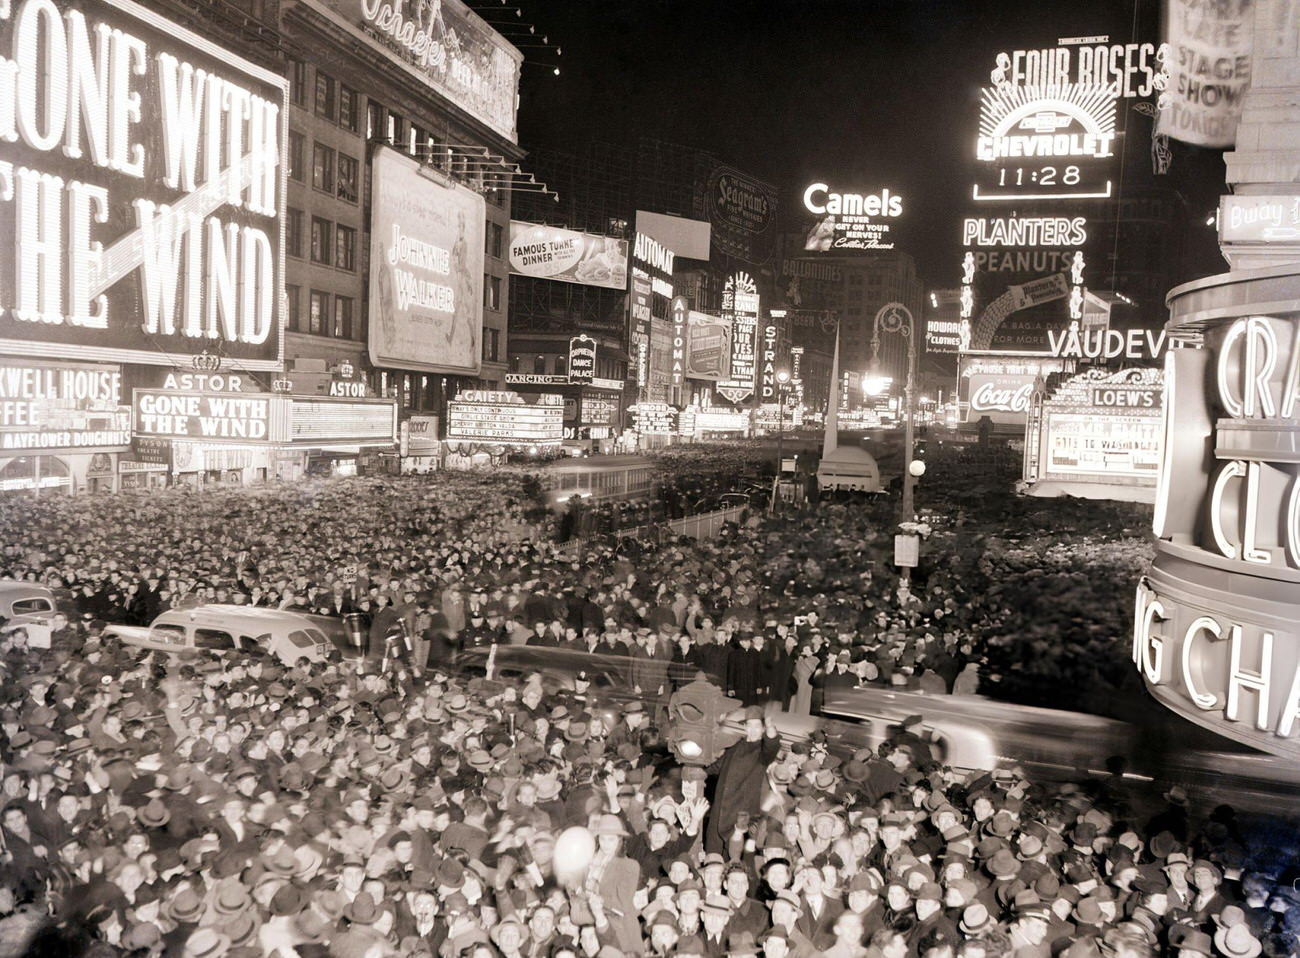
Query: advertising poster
(448,46)
(708,351)
(740,302)
(426,270)
(62,406)
(548,252)
(1000,387)
(1211,46)
(129,230)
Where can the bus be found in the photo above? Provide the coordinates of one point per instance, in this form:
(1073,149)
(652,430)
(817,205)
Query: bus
(600,479)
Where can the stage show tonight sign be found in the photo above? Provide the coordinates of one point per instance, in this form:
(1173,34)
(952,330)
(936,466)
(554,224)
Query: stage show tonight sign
(141,190)
(1216,630)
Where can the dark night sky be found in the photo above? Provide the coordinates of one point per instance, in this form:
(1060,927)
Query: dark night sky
(861,93)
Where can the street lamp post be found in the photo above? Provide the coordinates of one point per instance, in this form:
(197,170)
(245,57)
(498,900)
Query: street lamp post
(897,318)
(782,379)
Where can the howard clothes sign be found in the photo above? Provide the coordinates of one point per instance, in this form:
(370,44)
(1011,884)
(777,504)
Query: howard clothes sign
(141,190)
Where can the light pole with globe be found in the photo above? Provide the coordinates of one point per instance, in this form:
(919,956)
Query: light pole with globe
(897,318)
(782,380)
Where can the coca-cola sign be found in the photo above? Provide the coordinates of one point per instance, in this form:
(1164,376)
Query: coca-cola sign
(989,397)
(1003,397)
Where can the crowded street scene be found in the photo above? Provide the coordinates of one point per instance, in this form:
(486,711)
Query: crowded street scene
(747,479)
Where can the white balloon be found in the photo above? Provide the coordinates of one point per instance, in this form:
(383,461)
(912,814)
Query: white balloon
(573,852)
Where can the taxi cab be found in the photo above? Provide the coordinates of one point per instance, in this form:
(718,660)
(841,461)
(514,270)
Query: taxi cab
(22,602)
(232,630)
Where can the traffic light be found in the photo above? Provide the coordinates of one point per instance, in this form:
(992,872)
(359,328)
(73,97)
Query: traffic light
(695,732)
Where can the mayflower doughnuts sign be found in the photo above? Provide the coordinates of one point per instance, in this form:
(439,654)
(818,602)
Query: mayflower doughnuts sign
(549,252)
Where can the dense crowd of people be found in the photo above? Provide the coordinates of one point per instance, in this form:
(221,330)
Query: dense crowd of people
(200,807)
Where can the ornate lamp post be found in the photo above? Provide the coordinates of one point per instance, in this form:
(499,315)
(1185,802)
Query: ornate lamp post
(897,318)
(782,380)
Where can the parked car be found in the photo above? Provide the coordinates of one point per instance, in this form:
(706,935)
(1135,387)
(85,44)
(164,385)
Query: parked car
(25,602)
(233,630)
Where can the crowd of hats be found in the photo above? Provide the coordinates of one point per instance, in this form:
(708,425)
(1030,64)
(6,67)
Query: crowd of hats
(197,808)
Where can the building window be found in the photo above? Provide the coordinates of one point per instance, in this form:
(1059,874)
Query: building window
(298,82)
(293,301)
(297,156)
(396,130)
(320,240)
(324,95)
(414,140)
(561,365)
(342,317)
(293,232)
(348,167)
(345,247)
(539,366)
(495,239)
(320,305)
(322,167)
(491,345)
(437,152)
(374,120)
(348,112)
(492,292)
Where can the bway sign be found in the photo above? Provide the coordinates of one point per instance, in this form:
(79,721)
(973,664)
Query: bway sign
(62,406)
(1247,218)
(141,190)
(548,252)
(426,270)
(446,45)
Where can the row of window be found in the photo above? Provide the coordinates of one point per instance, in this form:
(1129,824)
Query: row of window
(339,103)
(338,323)
(332,244)
(319,320)
(332,171)
(336,102)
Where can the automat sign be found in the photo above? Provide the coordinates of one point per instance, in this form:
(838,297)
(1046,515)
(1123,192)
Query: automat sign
(141,188)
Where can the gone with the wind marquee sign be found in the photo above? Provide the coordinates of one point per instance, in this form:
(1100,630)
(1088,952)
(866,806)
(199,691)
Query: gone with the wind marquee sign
(141,189)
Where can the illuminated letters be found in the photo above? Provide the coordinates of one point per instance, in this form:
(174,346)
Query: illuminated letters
(851,204)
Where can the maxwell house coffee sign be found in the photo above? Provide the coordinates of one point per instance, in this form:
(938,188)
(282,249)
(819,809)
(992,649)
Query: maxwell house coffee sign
(141,189)
(1216,631)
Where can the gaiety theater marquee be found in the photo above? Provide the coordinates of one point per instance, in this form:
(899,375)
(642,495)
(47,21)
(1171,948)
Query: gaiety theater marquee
(1216,630)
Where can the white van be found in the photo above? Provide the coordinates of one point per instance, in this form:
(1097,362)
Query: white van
(235,630)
